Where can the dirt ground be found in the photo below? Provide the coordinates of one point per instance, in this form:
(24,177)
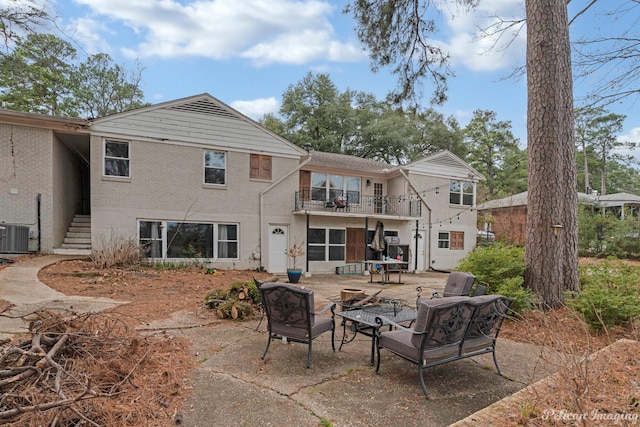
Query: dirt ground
(154,294)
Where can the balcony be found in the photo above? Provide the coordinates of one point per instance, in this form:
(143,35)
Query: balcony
(356,204)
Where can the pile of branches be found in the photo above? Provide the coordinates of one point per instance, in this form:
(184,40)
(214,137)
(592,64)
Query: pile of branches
(86,369)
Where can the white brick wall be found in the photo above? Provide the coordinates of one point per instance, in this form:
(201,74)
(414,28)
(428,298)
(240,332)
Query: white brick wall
(25,169)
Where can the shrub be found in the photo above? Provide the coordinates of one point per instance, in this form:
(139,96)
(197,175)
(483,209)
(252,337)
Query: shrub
(494,263)
(523,298)
(608,235)
(116,251)
(609,294)
(501,267)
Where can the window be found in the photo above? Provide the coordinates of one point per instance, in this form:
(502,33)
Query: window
(329,187)
(353,189)
(336,186)
(116,159)
(318,186)
(215,167)
(168,239)
(443,240)
(453,240)
(326,244)
(151,238)
(227,241)
(457,240)
(260,167)
(461,193)
(189,240)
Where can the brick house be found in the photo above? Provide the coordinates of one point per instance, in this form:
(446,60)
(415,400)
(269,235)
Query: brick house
(195,179)
(506,218)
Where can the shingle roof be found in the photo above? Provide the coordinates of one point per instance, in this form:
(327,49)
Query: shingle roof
(520,199)
(343,161)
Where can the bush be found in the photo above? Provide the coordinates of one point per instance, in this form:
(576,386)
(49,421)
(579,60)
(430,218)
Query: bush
(494,263)
(608,235)
(501,267)
(609,294)
(523,298)
(116,251)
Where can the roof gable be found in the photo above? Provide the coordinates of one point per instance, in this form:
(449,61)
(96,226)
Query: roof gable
(446,164)
(201,120)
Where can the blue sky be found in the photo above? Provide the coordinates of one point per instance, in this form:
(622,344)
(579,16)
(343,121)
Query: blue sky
(247,52)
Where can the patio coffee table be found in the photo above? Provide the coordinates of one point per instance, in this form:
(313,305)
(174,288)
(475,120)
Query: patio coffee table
(363,320)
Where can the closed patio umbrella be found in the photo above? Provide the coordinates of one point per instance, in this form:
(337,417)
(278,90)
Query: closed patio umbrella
(378,243)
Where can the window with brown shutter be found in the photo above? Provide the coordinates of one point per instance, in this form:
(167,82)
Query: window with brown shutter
(457,240)
(260,166)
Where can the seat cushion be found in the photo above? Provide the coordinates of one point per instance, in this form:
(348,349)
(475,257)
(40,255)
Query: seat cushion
(400,342)
(458,283)
(471,345)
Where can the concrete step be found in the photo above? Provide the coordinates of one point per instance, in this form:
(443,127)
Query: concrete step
(85,225)
(80,235)
(74,246)
(77,241)
(72,251)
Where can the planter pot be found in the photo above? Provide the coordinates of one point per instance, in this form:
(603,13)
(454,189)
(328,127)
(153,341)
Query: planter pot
(294,274)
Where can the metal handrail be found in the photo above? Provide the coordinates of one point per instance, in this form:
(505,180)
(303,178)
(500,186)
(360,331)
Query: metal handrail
(354,202)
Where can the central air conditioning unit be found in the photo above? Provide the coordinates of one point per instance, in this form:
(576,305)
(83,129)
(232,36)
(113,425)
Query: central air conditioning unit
(14,239)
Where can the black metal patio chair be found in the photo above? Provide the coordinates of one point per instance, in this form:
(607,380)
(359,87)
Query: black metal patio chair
(290,314)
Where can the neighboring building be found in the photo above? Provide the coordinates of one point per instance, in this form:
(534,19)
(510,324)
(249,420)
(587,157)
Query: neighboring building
(193,178)
(506,218)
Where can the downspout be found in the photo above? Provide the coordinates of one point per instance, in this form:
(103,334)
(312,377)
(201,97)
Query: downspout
(38,203)
(265,191)
(428,242)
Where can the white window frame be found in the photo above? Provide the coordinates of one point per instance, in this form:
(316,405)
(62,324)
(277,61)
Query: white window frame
(461,193)
(105,157)
(216,240)
(327,245)
(444,240)
(344,190)
(205,167)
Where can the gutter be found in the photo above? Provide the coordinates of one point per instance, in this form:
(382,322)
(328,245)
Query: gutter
(265,191)
(428,242)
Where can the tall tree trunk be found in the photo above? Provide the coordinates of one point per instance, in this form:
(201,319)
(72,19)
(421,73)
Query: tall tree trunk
(587,185)
(603,171)
(551,260)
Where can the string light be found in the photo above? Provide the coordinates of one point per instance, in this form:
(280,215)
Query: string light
(450,219)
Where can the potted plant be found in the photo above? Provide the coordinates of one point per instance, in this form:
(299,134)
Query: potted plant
(294,252)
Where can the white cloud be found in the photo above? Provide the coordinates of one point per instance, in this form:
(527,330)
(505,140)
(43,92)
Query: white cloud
(632,144)
(463,116)
(265,31)
(87,31)
(632,137)
(257,108)
(482,51)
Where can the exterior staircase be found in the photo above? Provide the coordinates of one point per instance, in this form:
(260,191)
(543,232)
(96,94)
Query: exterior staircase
(78,238)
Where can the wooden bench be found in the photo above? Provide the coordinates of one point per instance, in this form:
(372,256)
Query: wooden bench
(445,330)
